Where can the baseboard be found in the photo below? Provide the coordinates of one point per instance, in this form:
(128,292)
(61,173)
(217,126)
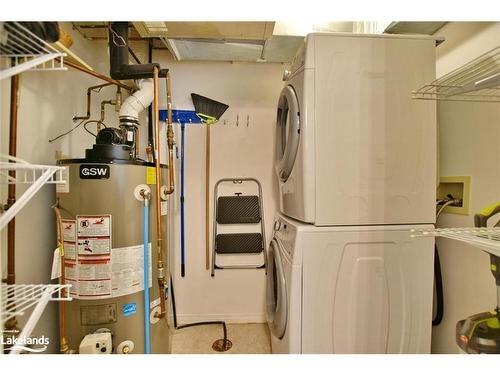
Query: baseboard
(228,318)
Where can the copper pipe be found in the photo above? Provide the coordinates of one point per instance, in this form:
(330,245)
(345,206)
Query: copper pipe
(103,112)
(63,344)
(170,137)
(11,198)
(12,324)
(159,237)
(89,93)
(136,143)
(96,74)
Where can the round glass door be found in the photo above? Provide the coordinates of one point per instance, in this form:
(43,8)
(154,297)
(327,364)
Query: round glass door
(276,292)
(287,132)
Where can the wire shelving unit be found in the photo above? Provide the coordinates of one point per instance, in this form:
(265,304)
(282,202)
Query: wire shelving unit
(18,299)
(26,173)
(487,239)
(22,50)
(478,81)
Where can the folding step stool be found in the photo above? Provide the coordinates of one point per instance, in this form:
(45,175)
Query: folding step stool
(238,209)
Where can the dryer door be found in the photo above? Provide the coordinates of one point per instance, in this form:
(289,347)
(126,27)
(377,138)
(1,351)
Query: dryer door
(287,132)
(276,292)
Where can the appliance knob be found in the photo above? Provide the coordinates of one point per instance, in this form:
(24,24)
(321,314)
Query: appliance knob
(277,225)
(286,75)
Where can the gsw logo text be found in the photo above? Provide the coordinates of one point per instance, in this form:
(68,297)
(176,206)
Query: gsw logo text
(93,171)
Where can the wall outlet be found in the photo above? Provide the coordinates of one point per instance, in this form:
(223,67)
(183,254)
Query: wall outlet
(459,188)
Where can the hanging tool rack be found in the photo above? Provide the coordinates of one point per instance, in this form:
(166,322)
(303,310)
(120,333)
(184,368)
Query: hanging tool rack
(22,50)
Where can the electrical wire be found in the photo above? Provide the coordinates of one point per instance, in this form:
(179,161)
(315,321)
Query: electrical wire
(438,277)
(66,133)
(443,207)
(91,121)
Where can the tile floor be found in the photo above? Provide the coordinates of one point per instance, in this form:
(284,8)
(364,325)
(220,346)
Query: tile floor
(246,339)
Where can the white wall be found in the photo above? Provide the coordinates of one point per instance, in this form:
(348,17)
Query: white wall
(248,89)
(469,142)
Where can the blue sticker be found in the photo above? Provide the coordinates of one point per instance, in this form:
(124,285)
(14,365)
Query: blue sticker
(129,309)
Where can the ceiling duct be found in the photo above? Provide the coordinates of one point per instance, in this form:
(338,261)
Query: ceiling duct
(206,30)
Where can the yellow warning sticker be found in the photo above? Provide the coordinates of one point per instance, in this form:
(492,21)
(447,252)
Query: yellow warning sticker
(150,175)
(493,267)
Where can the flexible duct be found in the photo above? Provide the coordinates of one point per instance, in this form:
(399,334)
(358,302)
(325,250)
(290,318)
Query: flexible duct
(139,100)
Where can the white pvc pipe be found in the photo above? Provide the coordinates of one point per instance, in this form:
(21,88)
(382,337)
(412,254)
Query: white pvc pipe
(139,100)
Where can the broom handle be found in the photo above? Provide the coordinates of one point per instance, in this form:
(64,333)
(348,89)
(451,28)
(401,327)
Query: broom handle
(207,198)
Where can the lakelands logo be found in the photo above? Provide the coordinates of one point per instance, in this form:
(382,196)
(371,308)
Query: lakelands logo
(28,344)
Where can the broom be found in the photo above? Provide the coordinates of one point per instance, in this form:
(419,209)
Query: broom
(209,111)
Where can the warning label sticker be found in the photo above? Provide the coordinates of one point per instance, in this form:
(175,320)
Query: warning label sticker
(127,270)
(93,268)
(70,250)
(71,274)
(94,226)
(94,289)
(89,263)
(89,246)
(69,230)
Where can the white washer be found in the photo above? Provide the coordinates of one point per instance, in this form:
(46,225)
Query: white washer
(351,289)
(284,290)
(353,148)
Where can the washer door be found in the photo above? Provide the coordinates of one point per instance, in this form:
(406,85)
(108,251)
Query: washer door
(277,306)
(287,132)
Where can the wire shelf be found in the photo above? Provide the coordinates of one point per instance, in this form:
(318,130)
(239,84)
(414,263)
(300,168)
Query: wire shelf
(21,50)
(487,239)
(17,171)
(17,299)
(478,81)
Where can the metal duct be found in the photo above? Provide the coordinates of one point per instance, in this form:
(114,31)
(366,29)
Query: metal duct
(118,53)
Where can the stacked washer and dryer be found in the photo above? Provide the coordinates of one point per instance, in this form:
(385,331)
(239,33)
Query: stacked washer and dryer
(356,165)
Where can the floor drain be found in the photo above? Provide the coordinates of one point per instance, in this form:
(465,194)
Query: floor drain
(222,345)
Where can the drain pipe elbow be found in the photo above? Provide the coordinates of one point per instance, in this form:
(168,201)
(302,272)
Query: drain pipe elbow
(139,100)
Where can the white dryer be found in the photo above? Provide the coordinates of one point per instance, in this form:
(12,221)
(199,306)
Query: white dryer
(349,289)
(352,147)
